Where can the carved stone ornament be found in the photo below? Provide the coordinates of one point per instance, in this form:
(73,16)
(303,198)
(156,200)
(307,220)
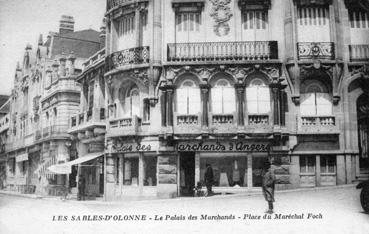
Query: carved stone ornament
(221,13)
(316,70)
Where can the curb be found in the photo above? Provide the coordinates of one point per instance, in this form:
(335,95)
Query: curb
(143,200)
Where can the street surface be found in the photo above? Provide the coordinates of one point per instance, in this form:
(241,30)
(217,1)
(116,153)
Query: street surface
(323,211)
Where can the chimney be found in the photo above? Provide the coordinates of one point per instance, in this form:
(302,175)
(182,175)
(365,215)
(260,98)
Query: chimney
(66,24)
(102,34)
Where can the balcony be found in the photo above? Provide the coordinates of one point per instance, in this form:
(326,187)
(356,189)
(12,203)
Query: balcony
(94,59)
(91,119)
(187,124)
(315,50)
(222,123)
(359,53)
(222,51)
(125,126)
(132,56)
(317,125)
(114,3)
(54,131)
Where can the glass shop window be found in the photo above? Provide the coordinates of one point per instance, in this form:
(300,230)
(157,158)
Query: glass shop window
(228,171)
(130,171)
(307,164)
(327,164)
(149,165)
(116,171)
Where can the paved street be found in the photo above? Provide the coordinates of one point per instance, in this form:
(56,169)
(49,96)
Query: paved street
(331,211)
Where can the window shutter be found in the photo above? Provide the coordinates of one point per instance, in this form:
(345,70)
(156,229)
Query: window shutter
(307,107)
(194,101)
(182,96)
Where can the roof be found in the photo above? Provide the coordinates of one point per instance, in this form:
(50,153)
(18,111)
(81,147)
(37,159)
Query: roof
(4,100)
(82,43)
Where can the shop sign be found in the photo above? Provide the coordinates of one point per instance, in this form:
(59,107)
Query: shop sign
(239,146)
(135,147)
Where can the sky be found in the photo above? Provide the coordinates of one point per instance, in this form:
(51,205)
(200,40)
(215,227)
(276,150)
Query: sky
(22,21)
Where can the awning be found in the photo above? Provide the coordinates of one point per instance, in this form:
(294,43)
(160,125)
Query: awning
(21,157)
(66,168)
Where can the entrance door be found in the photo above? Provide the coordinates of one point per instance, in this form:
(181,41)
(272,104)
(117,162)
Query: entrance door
(363,130)
(187,173)
(257,166)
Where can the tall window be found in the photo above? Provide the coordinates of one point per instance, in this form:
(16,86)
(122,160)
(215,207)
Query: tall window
(313,24)
(132,103)
(223,98)
(327,164)
(359,19)
(315,100)
(258,97)
(255,20)
(91,95)
(126,25)
(307,164)
(188,98)
(186,21)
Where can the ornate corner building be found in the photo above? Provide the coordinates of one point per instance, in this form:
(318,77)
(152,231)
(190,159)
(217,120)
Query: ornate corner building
(231,83)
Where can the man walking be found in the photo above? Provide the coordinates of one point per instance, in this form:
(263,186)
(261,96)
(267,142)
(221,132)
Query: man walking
(209,178)
(268,184)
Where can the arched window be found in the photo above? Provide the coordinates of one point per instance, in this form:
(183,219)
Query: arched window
(132,102)
(223,98)
(258,97)
(188,98)
(315,99)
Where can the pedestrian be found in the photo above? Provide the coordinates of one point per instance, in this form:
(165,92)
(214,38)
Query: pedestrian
(209,179)
(268,183)
(81,188)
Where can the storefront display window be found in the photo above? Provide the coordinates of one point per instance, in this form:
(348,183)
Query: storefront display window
(149,171)
(307,164)
(327,164)
(130,171)
(228,171)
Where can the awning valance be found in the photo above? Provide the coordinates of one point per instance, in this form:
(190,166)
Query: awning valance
(66,168)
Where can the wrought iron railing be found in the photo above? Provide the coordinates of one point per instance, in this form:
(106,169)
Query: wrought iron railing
(137,55)
(315,50)
(208,51)
(114,3)
(359,52)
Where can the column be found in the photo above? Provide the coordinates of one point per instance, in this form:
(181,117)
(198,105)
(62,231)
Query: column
(240,99)
(157,32)
(138,26)
(121,173)
(317,175)
(295,171)
(197,168)
(163,107)
(249,171)
(140,173)
(170,107)
(205,97)
(275,93)
(109,189)
(341,171)
(348,169)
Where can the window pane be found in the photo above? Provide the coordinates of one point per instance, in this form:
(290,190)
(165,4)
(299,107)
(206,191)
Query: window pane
(216,100)
(303,164)
(194,101)
(324,104)
(149,165)
(307,106)
(136,105)
(130,171)
(182,98)
(311,164)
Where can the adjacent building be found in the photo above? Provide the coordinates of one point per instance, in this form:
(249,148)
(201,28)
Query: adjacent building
(44,97)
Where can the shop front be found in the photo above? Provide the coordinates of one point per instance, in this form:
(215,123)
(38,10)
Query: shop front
(236,165)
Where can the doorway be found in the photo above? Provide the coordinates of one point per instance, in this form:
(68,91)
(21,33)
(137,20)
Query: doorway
(187,173)
(363,131)
(257,166)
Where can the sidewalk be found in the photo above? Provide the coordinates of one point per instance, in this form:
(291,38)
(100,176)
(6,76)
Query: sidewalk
(71,198)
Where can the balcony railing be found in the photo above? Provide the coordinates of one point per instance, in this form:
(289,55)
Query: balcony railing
(137,55)
(214,51)
(125,126)
(222,119)
(183,120)
(114,3)
(315,50)
(359,53)
(318,124)
(95,115)
(258,119)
